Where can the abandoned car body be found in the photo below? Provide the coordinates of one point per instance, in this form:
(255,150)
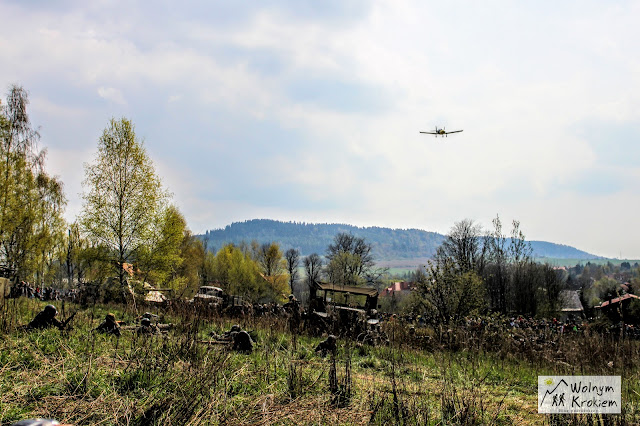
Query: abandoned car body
(341,310)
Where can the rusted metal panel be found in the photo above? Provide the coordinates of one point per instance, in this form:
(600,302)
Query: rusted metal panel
(365,291)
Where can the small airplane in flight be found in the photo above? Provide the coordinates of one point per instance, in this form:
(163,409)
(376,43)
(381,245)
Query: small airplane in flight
(441,132)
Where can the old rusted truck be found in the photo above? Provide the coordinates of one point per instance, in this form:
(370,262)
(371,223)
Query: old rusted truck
(341,310)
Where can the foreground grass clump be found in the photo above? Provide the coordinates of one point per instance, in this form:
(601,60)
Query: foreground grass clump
(181,378)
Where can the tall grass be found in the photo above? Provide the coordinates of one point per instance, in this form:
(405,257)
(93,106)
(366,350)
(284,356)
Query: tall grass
(179,378)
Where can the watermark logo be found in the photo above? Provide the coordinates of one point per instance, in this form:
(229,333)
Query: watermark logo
(579,394)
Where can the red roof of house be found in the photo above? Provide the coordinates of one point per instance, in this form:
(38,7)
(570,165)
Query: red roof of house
(618,299)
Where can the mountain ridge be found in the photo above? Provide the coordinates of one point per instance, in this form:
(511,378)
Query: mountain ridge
(388,244)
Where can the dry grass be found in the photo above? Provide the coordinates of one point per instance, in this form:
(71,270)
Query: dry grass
(172,379)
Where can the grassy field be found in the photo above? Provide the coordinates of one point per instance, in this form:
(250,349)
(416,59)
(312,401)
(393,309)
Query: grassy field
(400,268)
(178,378)
(573,262)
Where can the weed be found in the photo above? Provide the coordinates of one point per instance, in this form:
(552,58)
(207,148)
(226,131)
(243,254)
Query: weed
(454,376)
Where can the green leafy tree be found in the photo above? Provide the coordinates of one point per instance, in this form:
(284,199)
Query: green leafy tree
(207,267)
(160,259)
(48,228)
(270,259)
(273,267)
(123,196)
(604,289)
(177,256)
(78,259)
(449,295)
(190,270)
(342,268)
(31,201)
(240,274)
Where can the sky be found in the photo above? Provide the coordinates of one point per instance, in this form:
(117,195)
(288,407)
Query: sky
(310,111)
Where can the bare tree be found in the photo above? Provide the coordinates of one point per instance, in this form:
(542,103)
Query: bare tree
(463,245)
(349,259)
(519,249)
(313,268)
(496,274)
(525,276)
(292,257)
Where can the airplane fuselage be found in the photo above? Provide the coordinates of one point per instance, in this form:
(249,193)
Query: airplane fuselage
(441,132)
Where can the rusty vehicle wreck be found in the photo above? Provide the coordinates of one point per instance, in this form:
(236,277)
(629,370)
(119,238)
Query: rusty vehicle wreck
(341,310)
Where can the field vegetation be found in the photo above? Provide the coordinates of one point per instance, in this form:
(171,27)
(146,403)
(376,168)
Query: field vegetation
(432,376)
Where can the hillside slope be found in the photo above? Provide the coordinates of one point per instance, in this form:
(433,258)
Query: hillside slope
(388,244)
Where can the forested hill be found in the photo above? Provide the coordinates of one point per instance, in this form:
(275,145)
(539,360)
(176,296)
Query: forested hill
(388,244)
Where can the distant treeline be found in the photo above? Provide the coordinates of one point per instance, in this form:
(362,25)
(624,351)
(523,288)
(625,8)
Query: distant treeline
(388,244)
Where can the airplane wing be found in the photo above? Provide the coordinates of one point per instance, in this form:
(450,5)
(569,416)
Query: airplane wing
(455,131)
(429,133)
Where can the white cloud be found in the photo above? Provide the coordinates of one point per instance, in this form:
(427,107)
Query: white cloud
(111,94)
(330,109)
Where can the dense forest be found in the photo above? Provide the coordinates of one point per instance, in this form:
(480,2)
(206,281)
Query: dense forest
(388,244)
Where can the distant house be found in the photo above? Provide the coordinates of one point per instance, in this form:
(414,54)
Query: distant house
(570,303)
(398,288)
(154,295)
(129,269)
(624,308)
(626,287)
(612,303)
(149,293)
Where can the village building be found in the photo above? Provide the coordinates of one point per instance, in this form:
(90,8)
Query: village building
(398,288)
(625,308)
(570,304)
